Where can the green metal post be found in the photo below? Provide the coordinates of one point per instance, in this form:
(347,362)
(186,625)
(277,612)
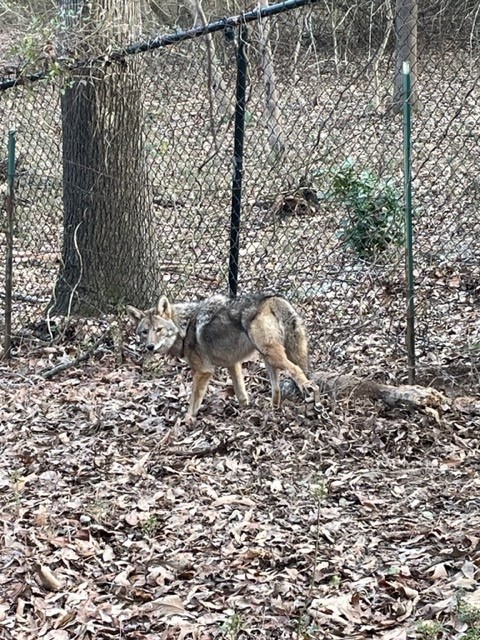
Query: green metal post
(7,344)
(407,169)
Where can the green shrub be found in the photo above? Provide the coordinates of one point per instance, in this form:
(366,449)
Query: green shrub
(429,630)
(374,209)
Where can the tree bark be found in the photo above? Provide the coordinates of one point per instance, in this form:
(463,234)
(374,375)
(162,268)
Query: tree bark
(406,12)
(108,255)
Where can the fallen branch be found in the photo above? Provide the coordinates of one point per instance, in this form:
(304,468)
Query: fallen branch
(413,396)
(222,447)
(50,373)
(23,297)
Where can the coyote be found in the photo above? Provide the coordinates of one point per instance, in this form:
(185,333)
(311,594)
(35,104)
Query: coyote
(219,332)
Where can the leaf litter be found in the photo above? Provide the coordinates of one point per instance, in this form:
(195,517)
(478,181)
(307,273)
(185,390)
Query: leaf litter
(121,521)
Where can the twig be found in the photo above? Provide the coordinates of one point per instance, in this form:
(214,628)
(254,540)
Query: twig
(221,447)
(50,373)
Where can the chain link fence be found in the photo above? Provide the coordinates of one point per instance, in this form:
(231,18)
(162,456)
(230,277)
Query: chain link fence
(322,203)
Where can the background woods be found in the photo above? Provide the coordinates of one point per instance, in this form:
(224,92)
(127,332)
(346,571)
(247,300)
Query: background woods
(125,189)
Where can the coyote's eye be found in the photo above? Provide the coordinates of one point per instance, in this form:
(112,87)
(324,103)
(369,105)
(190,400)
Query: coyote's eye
(160,330)
(144,332)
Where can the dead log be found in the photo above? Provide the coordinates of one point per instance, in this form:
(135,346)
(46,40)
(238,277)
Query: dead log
(412,396)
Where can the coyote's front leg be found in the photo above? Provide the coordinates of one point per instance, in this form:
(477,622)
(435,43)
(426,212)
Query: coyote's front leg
(236,375)
(200,384)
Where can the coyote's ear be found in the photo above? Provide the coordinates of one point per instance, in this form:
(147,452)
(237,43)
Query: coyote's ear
(135,313)
(164,308)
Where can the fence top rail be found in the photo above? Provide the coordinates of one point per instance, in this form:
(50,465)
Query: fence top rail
(158,42)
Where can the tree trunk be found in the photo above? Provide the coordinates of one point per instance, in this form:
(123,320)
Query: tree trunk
(108,244)
(216,84)
(379,54)
(276,136)
(406,12)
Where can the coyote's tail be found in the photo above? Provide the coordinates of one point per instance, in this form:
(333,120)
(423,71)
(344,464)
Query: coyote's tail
(296,343)
(296,348)
(295,335)
(295,339)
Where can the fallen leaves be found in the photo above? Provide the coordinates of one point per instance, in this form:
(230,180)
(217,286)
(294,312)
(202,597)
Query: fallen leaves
(119,521)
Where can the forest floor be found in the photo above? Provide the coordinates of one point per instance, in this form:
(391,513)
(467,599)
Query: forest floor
(119,520)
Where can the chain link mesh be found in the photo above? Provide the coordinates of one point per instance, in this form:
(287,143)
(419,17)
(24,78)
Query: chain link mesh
(322,211)
(33,113)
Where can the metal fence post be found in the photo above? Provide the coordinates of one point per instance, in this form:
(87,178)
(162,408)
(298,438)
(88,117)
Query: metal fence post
(238,161)
(7,344)
(407,167)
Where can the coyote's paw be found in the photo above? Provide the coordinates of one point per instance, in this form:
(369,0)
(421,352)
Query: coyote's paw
(243,402)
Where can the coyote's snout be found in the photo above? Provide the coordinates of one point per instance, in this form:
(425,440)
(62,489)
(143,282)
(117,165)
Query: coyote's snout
(218,332)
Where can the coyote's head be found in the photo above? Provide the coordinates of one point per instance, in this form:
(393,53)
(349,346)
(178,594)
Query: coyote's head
(155,327)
